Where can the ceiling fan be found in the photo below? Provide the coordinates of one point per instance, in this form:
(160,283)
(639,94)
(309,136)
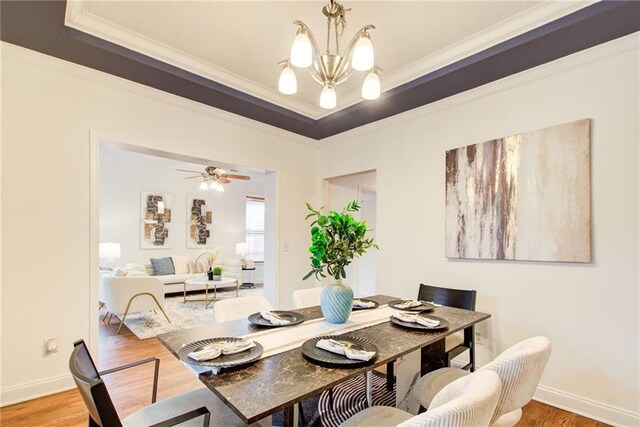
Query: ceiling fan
(213,178)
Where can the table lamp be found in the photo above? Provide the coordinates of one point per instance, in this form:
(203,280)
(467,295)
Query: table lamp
(109,252)
(242,249)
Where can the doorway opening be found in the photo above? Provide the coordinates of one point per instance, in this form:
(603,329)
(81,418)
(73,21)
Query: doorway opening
(164,216)
(361,273)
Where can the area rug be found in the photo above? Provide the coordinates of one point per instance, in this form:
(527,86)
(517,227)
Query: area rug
(149,324)
(348,399)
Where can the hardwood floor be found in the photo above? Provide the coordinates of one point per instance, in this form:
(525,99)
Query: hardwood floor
(131,390)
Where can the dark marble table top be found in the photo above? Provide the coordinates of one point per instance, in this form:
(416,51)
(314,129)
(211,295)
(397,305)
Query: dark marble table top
(273,383)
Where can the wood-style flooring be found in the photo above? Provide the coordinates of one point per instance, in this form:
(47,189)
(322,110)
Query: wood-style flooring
(131,390)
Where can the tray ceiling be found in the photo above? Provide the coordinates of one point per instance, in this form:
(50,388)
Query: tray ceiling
(239,43)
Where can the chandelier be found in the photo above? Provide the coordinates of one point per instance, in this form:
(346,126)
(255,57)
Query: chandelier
(331,68)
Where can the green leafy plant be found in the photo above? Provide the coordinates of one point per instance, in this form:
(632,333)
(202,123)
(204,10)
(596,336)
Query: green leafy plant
(217,271)
(336,239)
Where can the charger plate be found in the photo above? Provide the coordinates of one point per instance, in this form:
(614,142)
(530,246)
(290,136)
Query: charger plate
(443,323)
(426,306)
(324,357)
(222,361)
(292,316)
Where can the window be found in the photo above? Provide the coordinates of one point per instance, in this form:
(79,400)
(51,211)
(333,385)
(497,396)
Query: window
(255,228)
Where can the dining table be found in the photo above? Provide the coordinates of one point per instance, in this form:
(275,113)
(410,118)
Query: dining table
(278,382)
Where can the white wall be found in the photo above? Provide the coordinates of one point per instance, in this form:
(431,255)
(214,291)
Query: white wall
(50,111)
(123,175)
(590,312)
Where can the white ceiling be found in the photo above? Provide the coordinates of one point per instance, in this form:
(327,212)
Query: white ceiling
(239,43)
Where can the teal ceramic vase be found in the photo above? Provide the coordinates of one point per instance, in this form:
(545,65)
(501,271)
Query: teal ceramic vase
(336,302)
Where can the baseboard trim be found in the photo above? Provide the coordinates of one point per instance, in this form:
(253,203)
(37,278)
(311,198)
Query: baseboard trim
(32,390)
(586,407)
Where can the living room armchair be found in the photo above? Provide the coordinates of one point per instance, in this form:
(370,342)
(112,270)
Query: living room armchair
(126,295)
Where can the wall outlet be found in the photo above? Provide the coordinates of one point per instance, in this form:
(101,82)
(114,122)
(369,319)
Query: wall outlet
(50,345)
(285,246)
(479,338)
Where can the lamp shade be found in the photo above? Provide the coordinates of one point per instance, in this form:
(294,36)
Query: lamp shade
(204,185)
(301,50)
(109,250)
(242,248)
(287,83)
(371,86)
(328,97)
(362,59)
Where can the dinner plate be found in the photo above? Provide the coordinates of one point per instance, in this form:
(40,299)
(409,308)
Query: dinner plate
(424,307)
(366,308)
(443,323)
(291,316)
(222,361)
(324,357)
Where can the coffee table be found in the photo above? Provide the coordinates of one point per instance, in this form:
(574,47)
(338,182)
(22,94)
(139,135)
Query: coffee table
(200,281)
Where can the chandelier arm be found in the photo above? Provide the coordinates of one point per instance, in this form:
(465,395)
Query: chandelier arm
(344,77)
(316,76)
(351,45)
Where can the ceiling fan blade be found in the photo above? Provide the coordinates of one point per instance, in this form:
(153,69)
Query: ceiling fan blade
(244,177)
(191,177)
(223,180)
(184,170)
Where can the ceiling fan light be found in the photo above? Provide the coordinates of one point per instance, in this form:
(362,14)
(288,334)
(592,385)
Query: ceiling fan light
(288,84)
(301,51)
(328,97)
(371,86)
(221,188)
(363,57)
(203,185)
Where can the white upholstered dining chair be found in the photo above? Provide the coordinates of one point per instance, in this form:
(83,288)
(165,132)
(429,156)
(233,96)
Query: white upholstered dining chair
(306,297)
(466,402)
(519,368)
(239,308)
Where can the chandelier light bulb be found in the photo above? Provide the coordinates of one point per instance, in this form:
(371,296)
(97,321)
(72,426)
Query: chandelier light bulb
(203,185)
(288,83)
(301,50)
(328,97)
(371,86)
(362,59)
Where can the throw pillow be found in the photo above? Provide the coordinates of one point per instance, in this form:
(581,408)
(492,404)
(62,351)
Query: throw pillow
(162,266)
(202,267)
(180,264)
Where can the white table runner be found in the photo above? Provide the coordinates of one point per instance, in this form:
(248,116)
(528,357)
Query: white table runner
(279,340)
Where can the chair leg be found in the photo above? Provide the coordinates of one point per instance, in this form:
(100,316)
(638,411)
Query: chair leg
(129,306)
(105,316)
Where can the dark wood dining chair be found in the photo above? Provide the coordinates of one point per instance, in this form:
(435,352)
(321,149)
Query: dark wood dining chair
(169,412)
(458,298)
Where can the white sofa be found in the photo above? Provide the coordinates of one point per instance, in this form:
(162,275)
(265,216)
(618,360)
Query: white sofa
(174,283)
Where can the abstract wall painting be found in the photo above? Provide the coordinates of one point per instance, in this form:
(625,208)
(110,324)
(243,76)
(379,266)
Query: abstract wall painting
(156,217)
(199,220)
(522,197)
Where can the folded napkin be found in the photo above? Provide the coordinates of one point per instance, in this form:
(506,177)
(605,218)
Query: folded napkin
(409,304)
(435,304)
(416,318)
(274,318)
(345,349)
(213,351)
(363,304)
